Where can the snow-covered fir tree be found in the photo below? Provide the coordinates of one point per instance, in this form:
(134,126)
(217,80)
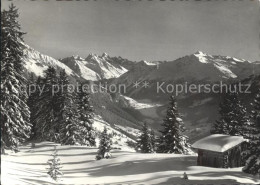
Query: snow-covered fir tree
(15,114)
(233,116)
(31,100)
(70,131)
(54,166)
(33,104)
(66,123)
(85,113)
(45,107)
(104,144)
(144,140)
(253,151)
(153,140)
(172,139)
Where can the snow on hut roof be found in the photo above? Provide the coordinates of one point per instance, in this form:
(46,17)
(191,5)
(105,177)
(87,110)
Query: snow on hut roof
(218,142)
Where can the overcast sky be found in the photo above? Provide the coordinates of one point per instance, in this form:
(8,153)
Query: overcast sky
(141,30)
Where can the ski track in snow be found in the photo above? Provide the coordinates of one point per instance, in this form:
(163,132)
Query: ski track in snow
(80,167)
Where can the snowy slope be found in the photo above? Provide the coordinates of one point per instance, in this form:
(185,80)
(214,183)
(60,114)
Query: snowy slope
(130,102)
(102,65)
(139,72)
(94,67)
(37,62)
(113,112)
(119,139)
(77,64)
(80,167)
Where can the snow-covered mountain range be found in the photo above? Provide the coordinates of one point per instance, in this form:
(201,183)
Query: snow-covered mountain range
(144,104)
(94,67)
(193,68)
(196,67)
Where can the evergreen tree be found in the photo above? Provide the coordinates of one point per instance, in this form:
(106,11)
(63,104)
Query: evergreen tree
(66,123)
(233,116)
(153,141)
(45,107)
(172,139)
(15,114)
(85,113)
(31,101)
(144,141)
(34,105)
(55,166)
(253,153)
(70,130)
(104,144)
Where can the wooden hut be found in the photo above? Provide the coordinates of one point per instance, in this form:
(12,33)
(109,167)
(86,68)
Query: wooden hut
(220,151)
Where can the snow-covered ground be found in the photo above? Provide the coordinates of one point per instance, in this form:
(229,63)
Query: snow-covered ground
(119,139)
(80,167)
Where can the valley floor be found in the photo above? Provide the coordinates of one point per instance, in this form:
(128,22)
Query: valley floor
(80,167)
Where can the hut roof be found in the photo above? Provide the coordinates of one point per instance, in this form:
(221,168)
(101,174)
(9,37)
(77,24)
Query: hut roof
(218,142)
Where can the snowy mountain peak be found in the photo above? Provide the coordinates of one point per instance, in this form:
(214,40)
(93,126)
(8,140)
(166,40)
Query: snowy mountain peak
(206,58)
(91,56)
(104,55)
(94,67)
(235,59)
(201,56)
(199,53)
(143,62)
(77,57)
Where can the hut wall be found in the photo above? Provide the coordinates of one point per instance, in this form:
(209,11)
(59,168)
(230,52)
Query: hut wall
(229,159)
(233,157)
(210,158)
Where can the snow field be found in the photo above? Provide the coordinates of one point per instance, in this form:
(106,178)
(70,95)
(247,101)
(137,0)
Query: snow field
(80,167)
